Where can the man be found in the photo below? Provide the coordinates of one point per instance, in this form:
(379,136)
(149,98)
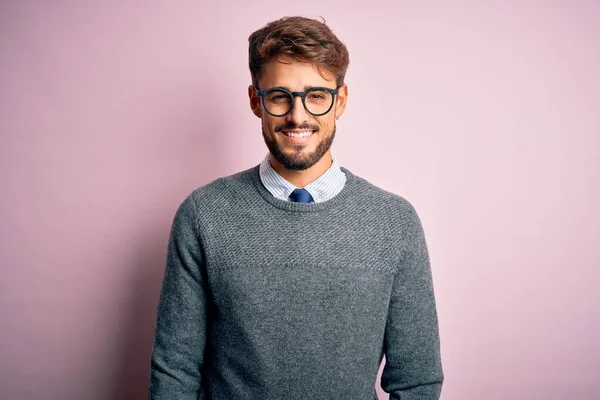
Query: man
(292,279)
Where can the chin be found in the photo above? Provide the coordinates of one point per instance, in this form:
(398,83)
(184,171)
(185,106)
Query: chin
(298,157)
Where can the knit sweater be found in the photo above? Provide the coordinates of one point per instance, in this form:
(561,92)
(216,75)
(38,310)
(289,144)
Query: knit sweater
(267,299)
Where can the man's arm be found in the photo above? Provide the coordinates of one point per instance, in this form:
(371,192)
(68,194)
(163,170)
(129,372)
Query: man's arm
(413,368)
(181,320)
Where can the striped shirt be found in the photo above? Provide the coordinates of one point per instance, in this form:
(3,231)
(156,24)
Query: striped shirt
(324,188)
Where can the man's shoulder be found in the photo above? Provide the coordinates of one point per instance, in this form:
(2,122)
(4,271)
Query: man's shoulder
(221,191)
(395,211)
(378,196)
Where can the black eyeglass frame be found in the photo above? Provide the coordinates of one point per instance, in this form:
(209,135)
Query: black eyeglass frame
(293,95)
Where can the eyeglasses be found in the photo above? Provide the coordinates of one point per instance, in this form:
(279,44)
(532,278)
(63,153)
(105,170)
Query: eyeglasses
(279,101)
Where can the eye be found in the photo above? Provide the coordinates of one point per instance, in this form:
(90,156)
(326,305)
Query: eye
(318,96)
(278,97)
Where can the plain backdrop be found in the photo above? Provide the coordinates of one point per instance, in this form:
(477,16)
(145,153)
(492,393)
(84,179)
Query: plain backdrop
(484,115)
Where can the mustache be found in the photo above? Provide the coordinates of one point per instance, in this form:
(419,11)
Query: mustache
(298,127)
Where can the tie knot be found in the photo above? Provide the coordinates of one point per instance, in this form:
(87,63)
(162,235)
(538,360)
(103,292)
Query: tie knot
(301,196)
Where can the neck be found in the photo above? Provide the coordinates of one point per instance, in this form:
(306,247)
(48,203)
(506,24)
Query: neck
(301,178)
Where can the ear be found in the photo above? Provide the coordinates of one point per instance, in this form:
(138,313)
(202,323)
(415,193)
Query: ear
(254,101)
(341,99)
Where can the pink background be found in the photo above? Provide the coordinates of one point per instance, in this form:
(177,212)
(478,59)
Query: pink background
(486,117)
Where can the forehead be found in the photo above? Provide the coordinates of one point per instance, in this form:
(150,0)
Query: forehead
(294,75)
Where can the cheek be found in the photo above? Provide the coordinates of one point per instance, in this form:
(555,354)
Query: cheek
(268,126)
(269,123)
(325,124)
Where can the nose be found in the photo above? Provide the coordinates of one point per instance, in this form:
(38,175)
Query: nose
(297,114)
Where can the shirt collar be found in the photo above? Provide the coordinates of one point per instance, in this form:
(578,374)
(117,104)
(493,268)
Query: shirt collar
(325,187)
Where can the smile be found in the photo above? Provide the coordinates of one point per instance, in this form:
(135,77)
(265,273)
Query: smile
(301,134)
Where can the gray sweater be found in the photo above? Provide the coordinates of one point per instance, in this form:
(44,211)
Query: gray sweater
(268,299)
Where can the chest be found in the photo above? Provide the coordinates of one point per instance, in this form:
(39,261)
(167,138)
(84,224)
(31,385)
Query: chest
(263,267)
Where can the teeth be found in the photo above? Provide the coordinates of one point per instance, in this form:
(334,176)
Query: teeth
(298,135)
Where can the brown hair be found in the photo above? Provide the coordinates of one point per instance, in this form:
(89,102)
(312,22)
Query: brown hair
(298,39)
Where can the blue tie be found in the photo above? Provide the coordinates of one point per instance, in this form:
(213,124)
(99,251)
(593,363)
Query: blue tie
(301,196)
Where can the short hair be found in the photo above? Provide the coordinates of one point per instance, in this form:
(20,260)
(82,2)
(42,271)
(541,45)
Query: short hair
(298,39)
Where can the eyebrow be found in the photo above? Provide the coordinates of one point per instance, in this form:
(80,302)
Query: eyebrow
(305,87)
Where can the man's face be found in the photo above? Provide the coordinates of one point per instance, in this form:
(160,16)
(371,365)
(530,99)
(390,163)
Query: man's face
(300,152)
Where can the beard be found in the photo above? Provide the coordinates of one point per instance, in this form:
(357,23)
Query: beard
(299,160)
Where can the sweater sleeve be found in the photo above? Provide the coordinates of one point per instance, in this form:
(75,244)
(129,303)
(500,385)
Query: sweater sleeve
(413,368)
(180,335)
